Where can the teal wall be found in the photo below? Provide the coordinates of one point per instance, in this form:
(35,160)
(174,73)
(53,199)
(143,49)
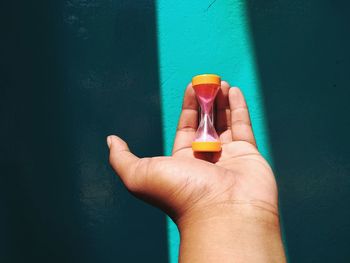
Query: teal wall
(205,37)
(303,60)
(73,72)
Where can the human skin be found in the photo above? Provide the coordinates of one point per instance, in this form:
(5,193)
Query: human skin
(224,204)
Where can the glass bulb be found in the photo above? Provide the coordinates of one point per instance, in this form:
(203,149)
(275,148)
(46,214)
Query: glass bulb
(206,139)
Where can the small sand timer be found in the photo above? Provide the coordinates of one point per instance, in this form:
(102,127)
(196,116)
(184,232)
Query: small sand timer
(206,87)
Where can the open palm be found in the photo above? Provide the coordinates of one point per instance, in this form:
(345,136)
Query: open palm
(188,181)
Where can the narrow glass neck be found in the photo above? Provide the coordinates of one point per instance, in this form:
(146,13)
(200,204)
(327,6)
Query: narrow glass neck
(207,116)
(207,120)
(207,106)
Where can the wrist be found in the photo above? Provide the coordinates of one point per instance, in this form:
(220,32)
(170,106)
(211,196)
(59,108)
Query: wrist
(248,212)
(239,231)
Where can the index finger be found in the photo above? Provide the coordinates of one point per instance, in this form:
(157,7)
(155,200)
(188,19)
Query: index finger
(188,122)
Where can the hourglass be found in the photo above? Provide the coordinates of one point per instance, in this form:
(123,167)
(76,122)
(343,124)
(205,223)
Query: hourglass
(206,87)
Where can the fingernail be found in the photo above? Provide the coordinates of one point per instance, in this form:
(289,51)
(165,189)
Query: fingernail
(109,141)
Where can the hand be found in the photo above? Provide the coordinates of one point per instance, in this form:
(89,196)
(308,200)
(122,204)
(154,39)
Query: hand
(225,200)
(190,181)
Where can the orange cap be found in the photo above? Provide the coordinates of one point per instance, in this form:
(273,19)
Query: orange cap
(206,146)
(206,79)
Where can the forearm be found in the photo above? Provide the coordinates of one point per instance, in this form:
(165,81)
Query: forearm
(237,233)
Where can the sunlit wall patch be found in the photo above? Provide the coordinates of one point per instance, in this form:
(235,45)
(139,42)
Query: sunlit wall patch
(196,37)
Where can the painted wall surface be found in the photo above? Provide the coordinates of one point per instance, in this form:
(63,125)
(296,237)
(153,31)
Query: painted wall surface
(73,72)
(292,60)
(303,56)
(205,37)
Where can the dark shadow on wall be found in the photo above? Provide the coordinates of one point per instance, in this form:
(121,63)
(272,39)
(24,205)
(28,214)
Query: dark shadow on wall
(303,55)
(73,72)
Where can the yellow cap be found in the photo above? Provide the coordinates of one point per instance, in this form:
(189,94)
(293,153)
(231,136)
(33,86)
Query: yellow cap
(206,79)
(206,146)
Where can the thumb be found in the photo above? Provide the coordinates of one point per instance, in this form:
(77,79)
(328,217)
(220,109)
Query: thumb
(123,162)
